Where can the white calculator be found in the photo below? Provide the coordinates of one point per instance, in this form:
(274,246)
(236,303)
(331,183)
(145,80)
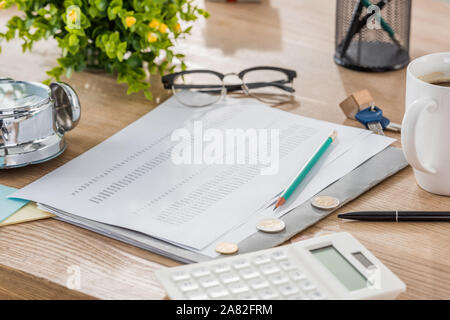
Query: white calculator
(334,266)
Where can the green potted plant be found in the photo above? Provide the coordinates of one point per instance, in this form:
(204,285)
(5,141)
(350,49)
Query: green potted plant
(124,37)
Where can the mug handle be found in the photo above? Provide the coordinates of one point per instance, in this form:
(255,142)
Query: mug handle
(409,125)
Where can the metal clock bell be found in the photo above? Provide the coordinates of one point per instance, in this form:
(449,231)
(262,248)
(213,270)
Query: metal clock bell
(33,120)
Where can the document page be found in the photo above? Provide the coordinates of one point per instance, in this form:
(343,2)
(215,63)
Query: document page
(319,179)
(190,175)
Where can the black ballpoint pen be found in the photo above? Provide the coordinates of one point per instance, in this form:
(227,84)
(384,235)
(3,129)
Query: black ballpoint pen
(398,216)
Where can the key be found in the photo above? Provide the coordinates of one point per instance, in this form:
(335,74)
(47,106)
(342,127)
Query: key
(218,293)
(246,296)
(387,124)
(394,127)
(298,296)
(278,279)
(288,289)
(200,272)
(297,275)
(306,285)
(240,264)
(317,295)
(228,277)
(268,293)
(249,274)
(261,259)
(188,285)
(372,118)
(196,295)
(375,127)
(287,265)
(221,267)
(269,269)
(238,288)
(208,282)
(258,283)
(279,255)
(180,275)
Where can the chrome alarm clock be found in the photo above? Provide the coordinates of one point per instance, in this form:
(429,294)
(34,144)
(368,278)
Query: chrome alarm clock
(33,120)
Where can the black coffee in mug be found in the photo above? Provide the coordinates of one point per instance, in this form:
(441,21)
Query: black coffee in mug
(436,78)
(441,83)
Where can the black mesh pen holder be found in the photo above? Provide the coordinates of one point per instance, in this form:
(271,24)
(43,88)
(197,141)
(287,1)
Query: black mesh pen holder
(372,35)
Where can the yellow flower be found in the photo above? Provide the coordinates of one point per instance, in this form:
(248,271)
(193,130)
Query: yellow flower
(163,28)
(73,15)
(2,4)
(130,21)
(177,28)
(154,24)
(152,37)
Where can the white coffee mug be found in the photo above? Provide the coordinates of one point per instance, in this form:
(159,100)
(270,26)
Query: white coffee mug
(426,124)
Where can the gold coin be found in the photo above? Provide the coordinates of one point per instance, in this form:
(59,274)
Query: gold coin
(227,248)
(271,225)
(325,202)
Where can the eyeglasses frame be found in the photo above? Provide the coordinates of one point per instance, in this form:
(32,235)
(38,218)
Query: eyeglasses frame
(169,82)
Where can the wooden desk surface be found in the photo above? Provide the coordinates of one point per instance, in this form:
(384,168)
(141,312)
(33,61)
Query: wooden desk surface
(35,258)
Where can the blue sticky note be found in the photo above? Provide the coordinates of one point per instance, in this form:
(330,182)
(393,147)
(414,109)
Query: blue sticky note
(9,206)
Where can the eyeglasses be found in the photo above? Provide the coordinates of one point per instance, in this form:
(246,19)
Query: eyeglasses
(270,85)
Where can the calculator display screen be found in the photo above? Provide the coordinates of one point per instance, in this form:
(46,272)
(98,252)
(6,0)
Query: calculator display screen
(343,270)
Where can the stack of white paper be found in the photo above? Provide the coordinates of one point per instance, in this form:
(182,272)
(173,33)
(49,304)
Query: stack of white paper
(134,179)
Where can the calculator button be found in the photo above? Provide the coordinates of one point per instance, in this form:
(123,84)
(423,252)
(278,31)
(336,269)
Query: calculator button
(241,264)
(208,282)
(181,275)
(268,293)
(297,275)
(269,269)
(316,295)
(188,285)
(278,279)
(279,255)
(249,273)
(196,295)
(287,265)
(237,288)
(261,259)
(246,296)
(228,277)
(298,296)
(200,272)
(305,284)
(288,289)
(221,267)
(218,293)
(258,283)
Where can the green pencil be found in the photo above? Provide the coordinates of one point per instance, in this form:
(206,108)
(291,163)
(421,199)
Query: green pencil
(306,168)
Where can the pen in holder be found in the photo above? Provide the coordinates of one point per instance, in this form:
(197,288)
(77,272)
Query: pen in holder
(372,35)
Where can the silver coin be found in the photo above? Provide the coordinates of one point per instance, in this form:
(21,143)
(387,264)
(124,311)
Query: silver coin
(325,202)
(227,248)
(271,225)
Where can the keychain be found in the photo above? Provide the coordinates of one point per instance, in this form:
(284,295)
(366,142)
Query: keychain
(361,103)
(372,118)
